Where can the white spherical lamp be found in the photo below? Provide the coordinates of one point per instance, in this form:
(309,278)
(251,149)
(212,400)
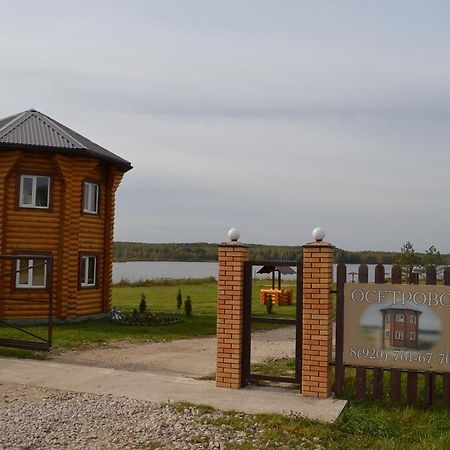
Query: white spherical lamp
(233,235)
(318,234)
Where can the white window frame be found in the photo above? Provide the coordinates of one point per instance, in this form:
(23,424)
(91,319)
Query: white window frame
(387,334)
(413,320)
(84,277)
(400,318)
(412,335)
(88,208)
(29,284)
(34,178)
(399,335)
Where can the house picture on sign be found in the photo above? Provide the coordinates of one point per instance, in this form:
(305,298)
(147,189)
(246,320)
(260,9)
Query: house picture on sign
(391,326)
(400,327)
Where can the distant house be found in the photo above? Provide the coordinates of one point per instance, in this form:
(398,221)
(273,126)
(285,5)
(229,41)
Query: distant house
(57,192)
(400,327)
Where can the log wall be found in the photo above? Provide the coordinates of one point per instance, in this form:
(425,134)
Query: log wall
(63,230)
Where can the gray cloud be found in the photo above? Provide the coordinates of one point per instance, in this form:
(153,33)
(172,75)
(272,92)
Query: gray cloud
(273,117)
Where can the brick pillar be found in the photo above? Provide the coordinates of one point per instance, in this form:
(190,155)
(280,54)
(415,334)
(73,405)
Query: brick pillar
(230,314)
(317,319)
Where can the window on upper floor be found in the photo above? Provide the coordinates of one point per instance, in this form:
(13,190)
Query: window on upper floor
(31,273)
(88,270)
(90,197)
(400,318)
(34,191)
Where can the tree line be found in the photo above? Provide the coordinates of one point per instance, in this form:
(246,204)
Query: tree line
(202,251)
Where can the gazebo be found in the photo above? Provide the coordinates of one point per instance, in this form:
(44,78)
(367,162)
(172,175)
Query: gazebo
(279,296)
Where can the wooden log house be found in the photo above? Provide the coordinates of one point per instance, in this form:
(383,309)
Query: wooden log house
(57,190)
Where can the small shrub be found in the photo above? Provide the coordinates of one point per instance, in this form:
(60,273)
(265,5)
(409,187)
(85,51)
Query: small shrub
(179,299)
(142,304)
(188,306)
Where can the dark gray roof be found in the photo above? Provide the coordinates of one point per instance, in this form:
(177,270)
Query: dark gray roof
(31,129)
(285,270)
(400,307)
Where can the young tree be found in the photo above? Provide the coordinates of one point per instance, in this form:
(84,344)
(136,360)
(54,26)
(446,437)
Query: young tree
(407,258)
(179,299)
(188,306)
(142,304)
(433,257)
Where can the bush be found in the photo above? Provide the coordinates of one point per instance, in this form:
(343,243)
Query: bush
(179,299)
(142,304)
(188,306)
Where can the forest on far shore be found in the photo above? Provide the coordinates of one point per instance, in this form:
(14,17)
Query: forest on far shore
(202,251)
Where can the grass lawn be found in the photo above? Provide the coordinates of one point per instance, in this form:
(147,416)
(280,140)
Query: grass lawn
(160,298)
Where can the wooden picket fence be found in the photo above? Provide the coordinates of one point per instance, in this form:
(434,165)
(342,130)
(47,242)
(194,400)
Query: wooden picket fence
(379,373)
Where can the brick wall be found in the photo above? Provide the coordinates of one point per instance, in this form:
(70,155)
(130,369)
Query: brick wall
(230,314)
(317,319)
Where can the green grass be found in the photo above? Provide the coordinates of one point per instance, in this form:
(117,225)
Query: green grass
(160,298)
(361,427)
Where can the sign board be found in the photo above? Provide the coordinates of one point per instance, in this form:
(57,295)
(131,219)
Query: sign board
(397,326)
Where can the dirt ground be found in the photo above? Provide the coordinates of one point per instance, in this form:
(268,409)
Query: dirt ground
(189,357)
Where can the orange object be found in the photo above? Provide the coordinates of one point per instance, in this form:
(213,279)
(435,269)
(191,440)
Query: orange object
(279,296)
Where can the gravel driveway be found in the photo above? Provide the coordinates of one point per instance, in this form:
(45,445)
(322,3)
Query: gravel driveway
(37,418)
(189,357)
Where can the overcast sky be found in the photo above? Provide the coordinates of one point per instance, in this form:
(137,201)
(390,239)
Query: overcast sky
(271,116)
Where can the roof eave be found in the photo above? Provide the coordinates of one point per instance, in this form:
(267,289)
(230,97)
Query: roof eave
(124,165)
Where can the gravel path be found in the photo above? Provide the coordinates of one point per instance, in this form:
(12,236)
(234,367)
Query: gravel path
(36,418)
(189,357)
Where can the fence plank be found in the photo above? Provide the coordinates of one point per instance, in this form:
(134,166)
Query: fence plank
(363,273)
(360,382)
(378,373)
(341,278)
(447,276)
(430,384)
(395,385)
(379,273)
(430,275)
(411,387)
(447,390)
(361,376)
(396,278)
(396,274)
(430,378)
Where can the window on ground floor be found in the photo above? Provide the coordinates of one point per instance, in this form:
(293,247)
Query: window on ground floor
(31,273)
(88,270)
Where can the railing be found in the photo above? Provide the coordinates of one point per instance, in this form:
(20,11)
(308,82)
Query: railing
(14,296)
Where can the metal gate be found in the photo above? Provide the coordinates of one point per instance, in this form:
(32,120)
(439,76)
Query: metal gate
(11,297)
(249,318)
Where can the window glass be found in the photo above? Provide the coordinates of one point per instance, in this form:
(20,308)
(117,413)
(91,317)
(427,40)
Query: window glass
(34,191)
(90,197)
(91,270)
(38,272)
(42,191)
(27,191)
(88,271)
(22,276)
(31,273)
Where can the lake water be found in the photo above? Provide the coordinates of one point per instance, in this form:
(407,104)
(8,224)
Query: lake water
(156,270)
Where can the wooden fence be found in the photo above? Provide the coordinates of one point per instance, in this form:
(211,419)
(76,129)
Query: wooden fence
(379,373)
